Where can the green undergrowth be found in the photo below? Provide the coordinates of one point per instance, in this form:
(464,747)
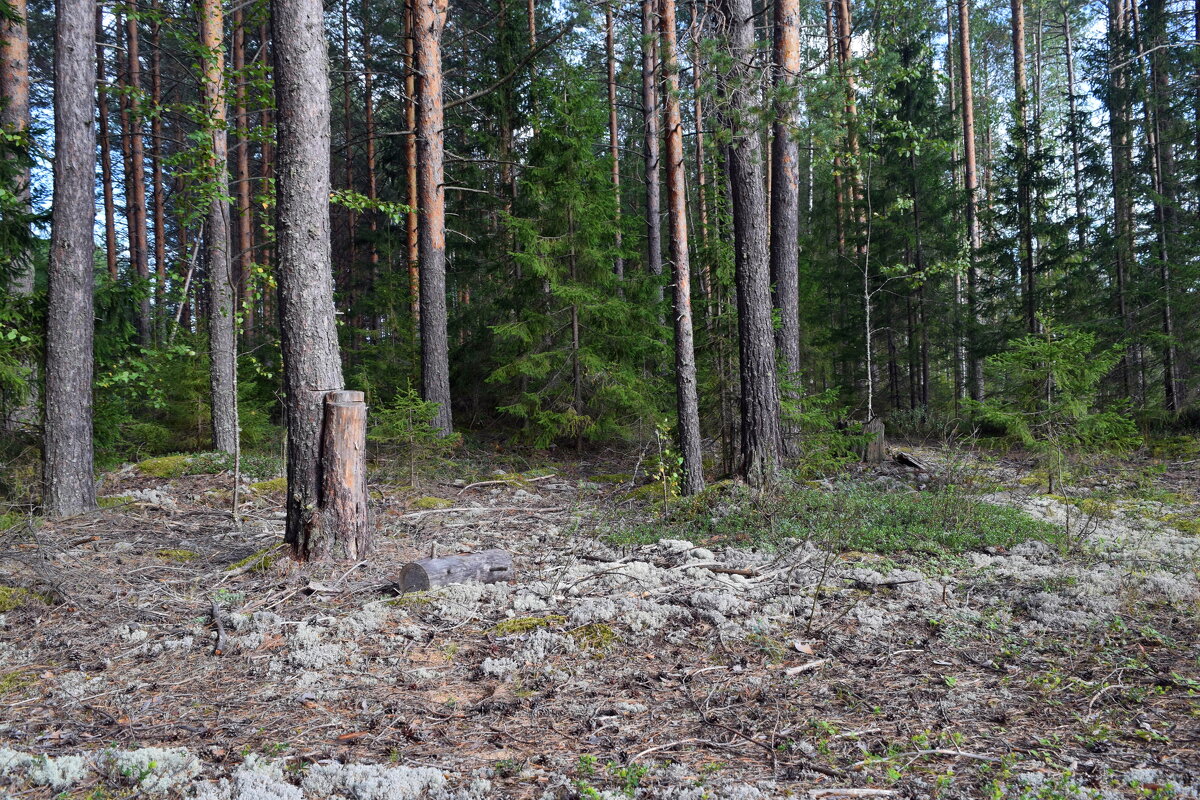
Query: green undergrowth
(253,465)
(942,523)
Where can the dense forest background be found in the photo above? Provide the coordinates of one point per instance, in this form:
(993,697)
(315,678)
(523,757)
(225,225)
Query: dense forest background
(1067,213)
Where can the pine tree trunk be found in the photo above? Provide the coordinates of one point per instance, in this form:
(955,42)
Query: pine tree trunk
(650,147)
(706,283)
(311,362)
(1081,221)
(14,119)
(1024,193)
(156,177)
(761,435)
(614,141)
(350,218)
(69,485)
(222,324)
(245,222)
(369,122)
(687,404)
(785,184)
(839,187)
(1166,191)
(410,165)
(139,249)
(1120,155)
(429,17)
(971,184)
(106,176)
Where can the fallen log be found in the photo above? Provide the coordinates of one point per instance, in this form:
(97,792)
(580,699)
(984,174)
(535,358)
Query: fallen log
(490,566)
(909,460)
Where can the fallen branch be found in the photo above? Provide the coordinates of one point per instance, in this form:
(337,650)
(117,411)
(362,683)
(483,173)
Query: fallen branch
(850,792)
(517,481)
(820,662)
(919,753)
(219,649)
(479,510)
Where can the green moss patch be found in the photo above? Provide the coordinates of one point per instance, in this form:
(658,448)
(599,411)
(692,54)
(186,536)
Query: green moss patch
(270,487)
(614,478)
(164,466)
(113,501)
(16,680)
(517,625)
(596,638)
(178,556)
(430,503)
(12,597)
(945,523)
(261,561)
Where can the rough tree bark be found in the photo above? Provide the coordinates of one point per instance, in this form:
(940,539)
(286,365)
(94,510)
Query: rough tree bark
(1120,154)
(971,184)
(69,486)
(14,118)
(1166,192)
(156,175)
(311,362)
(687,404)
(761,436)
(222,323)
(106,176)
(344,531)
(1024,193)
(410,167)
(614,141)
(245,222)
(650,146)
(785,183)
(1081,222)
(139,250)
(429,18)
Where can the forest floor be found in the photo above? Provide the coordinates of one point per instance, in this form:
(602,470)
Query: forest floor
(880,634)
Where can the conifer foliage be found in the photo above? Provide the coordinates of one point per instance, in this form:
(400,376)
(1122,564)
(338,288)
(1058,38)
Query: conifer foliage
(872,203)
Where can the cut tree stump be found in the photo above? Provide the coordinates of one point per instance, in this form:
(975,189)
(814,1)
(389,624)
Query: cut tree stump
(875,449)
(490,566)
(340,527)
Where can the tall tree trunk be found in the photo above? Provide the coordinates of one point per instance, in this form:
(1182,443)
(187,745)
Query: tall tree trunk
(1167,189)
(614,140)
(311,362)
(369,122)
(156,175)
(69,485)
(222,323)
(1081,220)
(706,281)
(785,183)
(857,197)
(762,440)
(14,119)
(839,186)
(106,176)
(971,184)
(1024,176)
(350,266)
(410,165)
(245,222)
(698,124)
(429,17)
(139,250)
(1120,154)
(687,404)
(650,146)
